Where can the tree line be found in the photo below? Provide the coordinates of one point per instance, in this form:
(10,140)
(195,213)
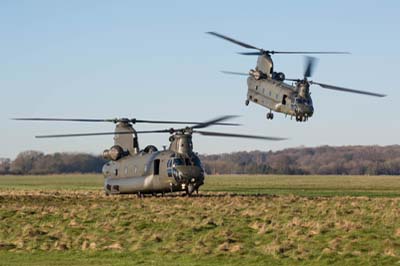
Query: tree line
(345,160)
(35,162)
(324,160)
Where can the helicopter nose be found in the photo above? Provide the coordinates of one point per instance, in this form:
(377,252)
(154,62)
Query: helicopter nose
(191,174)
(306,109)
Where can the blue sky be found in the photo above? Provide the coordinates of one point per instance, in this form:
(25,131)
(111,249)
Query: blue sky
(152,60)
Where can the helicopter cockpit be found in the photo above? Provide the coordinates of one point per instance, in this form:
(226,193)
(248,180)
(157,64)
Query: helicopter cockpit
(303,107)
(181,162)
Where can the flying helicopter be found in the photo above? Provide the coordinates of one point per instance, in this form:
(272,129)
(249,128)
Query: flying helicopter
(268,88)
(130,170)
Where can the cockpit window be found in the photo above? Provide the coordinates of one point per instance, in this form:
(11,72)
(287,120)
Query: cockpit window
(178,161)
(303,101)
(196,162)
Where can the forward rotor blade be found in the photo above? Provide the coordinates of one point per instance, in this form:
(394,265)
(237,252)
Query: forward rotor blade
(284,52)
(309,66)
(214,121)
(178,122)
(330,87)
(304,52)
(235,73)
(297,80)
(245,45)
(220,134)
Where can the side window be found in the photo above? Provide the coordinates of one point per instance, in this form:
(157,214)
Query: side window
(156,170)
(284,99)
(169,169)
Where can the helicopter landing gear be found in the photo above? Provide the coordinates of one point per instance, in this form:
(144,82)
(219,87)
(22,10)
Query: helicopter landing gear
(300,118)
(270,115)
(247,102)
(190,189)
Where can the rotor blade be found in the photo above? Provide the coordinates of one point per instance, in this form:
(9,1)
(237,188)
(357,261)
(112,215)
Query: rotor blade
(235,73)
(245,45)
(115,120)
(297,80)
(66,119)
(104,133)
(309,66)
(330,87)
(250,53)
(82,134)
(298,52)
(178,122)
(220,134)
(283,52)
(214,121)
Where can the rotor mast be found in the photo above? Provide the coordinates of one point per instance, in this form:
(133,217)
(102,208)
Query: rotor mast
(128,142)
(181,142)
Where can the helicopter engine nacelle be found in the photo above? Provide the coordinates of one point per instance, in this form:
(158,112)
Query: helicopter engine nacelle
(114,153)
(278,76)
(257,74)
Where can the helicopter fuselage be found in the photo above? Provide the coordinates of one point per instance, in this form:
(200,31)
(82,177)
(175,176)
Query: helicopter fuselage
(280,97)
(151,171)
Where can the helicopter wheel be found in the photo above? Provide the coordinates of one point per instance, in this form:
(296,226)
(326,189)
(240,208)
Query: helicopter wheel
(270,115)
(247,102)
(190,188)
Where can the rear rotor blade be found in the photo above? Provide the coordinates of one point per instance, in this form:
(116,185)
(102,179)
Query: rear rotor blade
(251,53)
(245,45)
(66,119)
(220,134)
(261,51)
(82,134)
(104,133)
(235,73)
(116,120)
(330,87)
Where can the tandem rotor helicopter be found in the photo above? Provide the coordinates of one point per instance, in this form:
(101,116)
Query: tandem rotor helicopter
(267,87)
(130,170)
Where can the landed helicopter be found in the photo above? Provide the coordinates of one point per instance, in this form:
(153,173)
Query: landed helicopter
(130,170)
(267,87)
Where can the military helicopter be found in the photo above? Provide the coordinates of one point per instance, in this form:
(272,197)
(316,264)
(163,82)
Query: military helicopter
(267,87)
(130,170)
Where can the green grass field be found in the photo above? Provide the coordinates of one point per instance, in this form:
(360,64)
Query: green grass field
(238,220)
(388,186)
